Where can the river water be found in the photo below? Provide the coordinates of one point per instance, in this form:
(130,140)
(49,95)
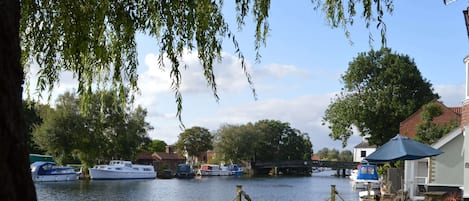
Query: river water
(281,188)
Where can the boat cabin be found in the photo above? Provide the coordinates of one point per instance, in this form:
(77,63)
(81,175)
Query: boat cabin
(367,172)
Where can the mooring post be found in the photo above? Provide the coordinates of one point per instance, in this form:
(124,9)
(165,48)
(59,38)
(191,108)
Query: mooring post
(332,192)
(239,192)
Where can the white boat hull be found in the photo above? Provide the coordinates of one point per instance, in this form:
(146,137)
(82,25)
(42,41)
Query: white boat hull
(358,184)
(118,169)
(214,172)
(113,174)
(60,177)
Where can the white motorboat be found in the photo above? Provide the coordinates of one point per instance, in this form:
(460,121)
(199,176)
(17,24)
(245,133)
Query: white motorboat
(118,169)
(213,170)
(49,171)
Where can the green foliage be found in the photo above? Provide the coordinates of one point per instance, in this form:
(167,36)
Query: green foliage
(194,141)
(334,155)
(383,170)
(104,133)
(236,142)
(380,90)
(264,140)
(430,111)
(157,146)
(31,118)
(95,40)
(346,155)
(341,14)
(429,132)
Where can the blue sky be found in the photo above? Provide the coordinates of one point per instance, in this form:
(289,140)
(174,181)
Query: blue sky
(300,68)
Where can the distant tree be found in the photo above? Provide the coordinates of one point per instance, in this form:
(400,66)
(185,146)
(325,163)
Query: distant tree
(104,133)
(157,146)
(322,154)
(381,89)
(334,155)
(429,132)
(62,129)
(195,141)
(345,155)
(236,142)
(32,118)
(263,140)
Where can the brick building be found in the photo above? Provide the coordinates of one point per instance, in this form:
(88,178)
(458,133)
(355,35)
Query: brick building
(408,127)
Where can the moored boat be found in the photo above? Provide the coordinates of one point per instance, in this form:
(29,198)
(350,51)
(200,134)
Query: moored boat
(118,169)
(213,170)
(366,174)
(185,171)
(165,174)
(49,171)
(235,170)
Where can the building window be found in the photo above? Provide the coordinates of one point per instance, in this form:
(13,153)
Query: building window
(363,153)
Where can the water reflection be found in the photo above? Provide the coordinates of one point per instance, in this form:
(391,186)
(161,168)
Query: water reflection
(316,187)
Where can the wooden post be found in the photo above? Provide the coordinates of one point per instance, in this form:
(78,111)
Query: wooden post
(332,192)
(239,192)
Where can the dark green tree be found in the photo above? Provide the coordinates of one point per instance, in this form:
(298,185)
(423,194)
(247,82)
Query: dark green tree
(381,89)
(31,118)
(61,130)
(429,132)
(104,133)
(236,142)
(268,140)
(194,141)
(157,146)
(95,40)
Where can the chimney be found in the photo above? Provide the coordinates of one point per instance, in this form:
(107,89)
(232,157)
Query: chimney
(168,149)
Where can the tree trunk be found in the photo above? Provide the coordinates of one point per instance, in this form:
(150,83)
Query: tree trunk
(15,175)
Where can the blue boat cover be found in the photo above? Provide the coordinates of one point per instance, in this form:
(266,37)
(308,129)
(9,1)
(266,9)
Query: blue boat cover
(367,172)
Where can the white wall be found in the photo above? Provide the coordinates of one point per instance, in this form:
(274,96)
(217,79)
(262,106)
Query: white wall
(357,153)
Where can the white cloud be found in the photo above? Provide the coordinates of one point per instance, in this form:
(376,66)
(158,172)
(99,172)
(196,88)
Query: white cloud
(67,82)
(280,71)
(451,95)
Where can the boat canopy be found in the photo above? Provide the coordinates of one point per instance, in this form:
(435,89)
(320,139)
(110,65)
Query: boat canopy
(367,172)
(38,157)
(184,168)
(48,168)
